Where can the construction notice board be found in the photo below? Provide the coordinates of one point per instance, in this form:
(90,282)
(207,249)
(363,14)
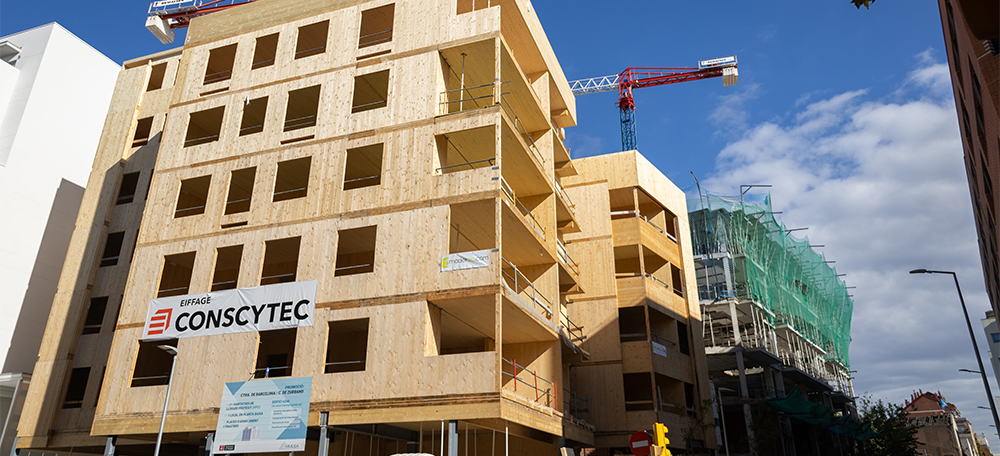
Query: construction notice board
(263,416)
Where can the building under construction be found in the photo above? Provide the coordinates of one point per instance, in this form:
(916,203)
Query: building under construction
(776,318)
(473,291)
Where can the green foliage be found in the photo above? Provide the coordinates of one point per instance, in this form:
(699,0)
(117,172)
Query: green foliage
(897,434)
(858,3)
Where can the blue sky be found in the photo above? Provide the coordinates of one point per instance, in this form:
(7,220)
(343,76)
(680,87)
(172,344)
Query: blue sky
(847,113)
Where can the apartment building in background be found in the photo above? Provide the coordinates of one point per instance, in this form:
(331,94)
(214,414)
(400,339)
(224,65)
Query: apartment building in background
(475,286)
(42,179)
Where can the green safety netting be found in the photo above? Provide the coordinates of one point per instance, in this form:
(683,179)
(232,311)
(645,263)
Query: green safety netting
(818,414)
(771,265)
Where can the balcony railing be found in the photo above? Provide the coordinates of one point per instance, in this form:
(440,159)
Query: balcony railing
(532,387)
(461,166)
(562,193)
(521,129)
(520,284)
(566,259)
(529,217)
(574,331)
(646,219)
(576,406)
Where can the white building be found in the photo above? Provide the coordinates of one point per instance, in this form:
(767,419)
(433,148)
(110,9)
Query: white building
(993,337)
(54,94)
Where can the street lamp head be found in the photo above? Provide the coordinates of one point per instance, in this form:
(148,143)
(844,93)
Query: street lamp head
(919,271)
(970,371)
(169,349)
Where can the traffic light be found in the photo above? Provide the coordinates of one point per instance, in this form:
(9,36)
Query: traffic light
(660,435)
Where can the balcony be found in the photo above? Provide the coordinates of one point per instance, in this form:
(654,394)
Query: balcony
(569,271)
(631,229)
(565,211)
(634,289)
(521,209)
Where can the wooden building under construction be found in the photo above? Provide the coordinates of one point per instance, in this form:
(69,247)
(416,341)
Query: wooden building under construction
(359,144)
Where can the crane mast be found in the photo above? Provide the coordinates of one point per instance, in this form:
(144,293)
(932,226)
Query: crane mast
(638,77)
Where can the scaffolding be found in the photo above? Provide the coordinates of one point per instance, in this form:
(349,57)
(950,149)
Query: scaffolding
(743,253)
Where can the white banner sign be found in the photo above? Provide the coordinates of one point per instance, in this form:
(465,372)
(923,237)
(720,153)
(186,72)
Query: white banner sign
(659,349)
(168,3)
(280,306)
(263,416)
(465,260)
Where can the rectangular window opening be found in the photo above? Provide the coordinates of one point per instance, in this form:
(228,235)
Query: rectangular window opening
(682,338)
(627,261)
(175,280)
(204,126)
(193,196)
(355,251)
(95,315)
(466,150)
(347,346)
(220,64)
(364,167)
(227,267)
(156,77)
(303,104)
(458,336)
(240,190)
(281,261)
(632,324)
(274,357)
(371,91)
(471,226)
(265,48)
(126,193)
(77,387)
(152,364)
(376,26)
(112,249)
(638,391)
(253,116)
(312,39)
(142,129)
(292,180)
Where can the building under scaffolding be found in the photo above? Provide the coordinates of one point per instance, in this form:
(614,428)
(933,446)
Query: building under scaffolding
(776,316)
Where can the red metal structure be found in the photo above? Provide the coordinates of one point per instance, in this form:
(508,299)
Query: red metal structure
(167,15)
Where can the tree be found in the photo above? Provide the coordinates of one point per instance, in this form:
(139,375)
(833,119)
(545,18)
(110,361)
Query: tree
(897,434)
(858,3)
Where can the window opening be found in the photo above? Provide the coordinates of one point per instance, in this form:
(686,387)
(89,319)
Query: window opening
(454,336)
(95,315)
(471,226)
(312,39)
(371,91)
(689,397)
(355,251)
(347,346)
(466,150)
(292,180)
(152,364)
(376,26)
(274,357)
(281,261)
(253,116)
(77,387)
(127,191)
(264,51)
(175,279)
(227,267)
(302,108)
(156,77)
(204,126)
(142,130)
(193,196)
(112,249)
(638,391)
(632,324)
(682,338)
(627,261)
(220,64)
(675,280)
(364,167)
(240,190)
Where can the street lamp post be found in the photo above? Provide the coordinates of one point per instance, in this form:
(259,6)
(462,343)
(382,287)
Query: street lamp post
(170,381)
(972,335)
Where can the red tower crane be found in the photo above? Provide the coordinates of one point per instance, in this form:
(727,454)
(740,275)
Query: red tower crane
(167,15)
(639,77)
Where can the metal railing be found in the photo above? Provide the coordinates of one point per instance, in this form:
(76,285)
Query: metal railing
(218,76)
(302,190)
(654,279)
(521,284)
(262,64)
(547,394)
(441,170)
(310,52)
(574,331)
(363,43)
(224,285)
(349,366)
(239,206)
(167,292)
(646,219)
(277,278)
(521,129)
(349,184)
(369,106)
(461,101)
(353,269)
(252,129)
(529,217)
(152,380)
(567,260)
(300,122)
(284,371)
(662,340)
(576,406)
(201,140)
(565,196)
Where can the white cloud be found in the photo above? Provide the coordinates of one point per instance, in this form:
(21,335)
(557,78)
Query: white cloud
(882,184)
(731,114)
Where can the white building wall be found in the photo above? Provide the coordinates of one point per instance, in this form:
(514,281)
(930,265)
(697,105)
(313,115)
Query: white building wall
(993,338)
(51,124)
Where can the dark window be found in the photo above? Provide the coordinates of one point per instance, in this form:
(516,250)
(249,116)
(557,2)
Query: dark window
(355,251)
(347,346)
(371,91)
(95,315)
(126,193)
(264,51)
(274,357)
(682,338)
(77,387)
(638,391)
(240,190)
(996,337)
(675,280)
(220,64)
(364,167)
(253,116)
(689,396)
(193,196)
(204,126)
(152,364)
(281,261)
(632,324)
(302,108)
(312,39)
(376,26)
(227,267)
(292,180)
(142,129)
(156,77)
(112,249)
(176,277)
